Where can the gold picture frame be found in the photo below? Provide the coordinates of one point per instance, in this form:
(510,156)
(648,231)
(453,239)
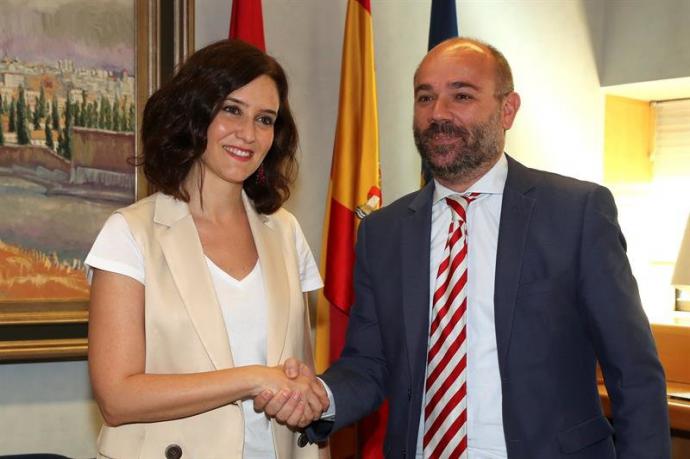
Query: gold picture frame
(51,330)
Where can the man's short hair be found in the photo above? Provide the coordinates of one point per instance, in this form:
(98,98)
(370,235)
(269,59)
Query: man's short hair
(504,75)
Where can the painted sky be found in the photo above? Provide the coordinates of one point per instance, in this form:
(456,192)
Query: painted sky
(93,34)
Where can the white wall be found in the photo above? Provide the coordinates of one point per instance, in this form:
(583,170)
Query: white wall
(47,407)
(553,46)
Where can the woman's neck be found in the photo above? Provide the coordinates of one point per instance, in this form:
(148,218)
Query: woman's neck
(213,199)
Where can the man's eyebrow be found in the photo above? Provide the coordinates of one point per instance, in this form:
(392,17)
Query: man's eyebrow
(422,87)
(462,84)
(452,84)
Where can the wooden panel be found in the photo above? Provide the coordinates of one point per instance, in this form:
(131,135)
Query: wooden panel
(627,140)
(673,345)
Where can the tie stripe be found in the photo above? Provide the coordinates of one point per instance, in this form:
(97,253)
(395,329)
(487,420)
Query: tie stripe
(445,411)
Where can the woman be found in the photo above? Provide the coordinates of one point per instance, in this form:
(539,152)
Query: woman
(197,290)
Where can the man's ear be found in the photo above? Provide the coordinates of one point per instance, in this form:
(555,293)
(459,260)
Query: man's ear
(511,105)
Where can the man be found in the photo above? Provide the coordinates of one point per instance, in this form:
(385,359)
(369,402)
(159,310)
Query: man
(481,317)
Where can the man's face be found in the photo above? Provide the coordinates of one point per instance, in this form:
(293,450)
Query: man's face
(459,123)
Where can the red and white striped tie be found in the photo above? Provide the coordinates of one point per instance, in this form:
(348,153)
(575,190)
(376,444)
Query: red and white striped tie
(445,411)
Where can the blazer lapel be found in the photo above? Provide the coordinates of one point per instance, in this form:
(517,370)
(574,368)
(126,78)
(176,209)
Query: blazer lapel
(516,211)
(269,247)
(416,249)
(182,249)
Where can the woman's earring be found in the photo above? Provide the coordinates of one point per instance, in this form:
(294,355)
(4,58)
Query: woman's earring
(261,175)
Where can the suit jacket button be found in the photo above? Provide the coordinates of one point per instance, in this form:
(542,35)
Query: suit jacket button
(173,452)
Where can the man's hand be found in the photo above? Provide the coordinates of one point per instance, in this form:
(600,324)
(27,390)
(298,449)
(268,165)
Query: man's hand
(299,404)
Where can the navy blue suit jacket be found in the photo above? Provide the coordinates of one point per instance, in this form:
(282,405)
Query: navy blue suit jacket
(564,298)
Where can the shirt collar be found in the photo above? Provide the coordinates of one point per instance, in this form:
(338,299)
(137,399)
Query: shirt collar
(493,182)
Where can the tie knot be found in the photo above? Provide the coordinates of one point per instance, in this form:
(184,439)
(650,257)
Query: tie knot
(459,203)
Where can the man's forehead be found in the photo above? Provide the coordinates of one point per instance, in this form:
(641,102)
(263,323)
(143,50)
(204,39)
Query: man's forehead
(462,57)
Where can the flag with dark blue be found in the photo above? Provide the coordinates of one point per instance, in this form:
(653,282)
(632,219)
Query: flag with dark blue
(443,23)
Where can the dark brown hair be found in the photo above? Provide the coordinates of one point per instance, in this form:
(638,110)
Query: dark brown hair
(177,117)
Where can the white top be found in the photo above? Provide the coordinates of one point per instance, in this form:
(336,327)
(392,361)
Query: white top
(485,437)
(243,303)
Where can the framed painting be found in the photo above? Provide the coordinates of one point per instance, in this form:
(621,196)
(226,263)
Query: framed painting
(74,78)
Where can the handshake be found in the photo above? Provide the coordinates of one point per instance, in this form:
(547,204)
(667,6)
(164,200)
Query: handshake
(292,395)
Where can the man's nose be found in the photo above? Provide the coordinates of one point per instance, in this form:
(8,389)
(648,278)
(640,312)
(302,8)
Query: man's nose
(440,110)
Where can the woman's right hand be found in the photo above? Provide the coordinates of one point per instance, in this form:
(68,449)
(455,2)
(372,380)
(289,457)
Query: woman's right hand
(295,400)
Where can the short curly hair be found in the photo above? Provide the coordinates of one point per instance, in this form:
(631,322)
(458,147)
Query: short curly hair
(177,117)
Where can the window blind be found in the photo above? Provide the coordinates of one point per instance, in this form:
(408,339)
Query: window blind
(671,154)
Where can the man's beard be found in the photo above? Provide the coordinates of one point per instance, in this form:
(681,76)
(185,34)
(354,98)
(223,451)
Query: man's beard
(473,148)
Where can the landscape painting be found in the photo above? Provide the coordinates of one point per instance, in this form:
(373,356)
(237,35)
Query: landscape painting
(67,134)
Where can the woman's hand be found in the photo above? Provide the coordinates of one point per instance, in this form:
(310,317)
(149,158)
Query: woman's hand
(294,397)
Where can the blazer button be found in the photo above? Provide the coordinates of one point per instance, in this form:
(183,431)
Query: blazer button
(173,452)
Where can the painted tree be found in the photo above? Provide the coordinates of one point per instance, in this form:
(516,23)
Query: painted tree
(105,115)
(23,135)
(131,119)
(2,106)
(2,135)
(77,114)
(124,122)
(49,137)
(54,115)
(116,116)
(67,131)
(67,139)
(91,115)
(12,124)
(60,143)
(37,115)
(42,111)
(82,111)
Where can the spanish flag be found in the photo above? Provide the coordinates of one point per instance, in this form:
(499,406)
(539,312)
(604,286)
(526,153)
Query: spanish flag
(354,190)
(247,23)
(355,185)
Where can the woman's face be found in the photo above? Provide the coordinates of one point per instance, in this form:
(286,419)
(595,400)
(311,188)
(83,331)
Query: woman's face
(241,133)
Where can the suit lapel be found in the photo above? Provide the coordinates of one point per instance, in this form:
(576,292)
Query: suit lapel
(516,211)
(269,247)
(182,249)
(416,249)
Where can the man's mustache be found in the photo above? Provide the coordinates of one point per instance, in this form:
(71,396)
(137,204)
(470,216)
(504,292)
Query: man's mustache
(446,129)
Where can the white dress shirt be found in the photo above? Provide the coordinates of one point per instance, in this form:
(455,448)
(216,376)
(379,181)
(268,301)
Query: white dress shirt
(485,437)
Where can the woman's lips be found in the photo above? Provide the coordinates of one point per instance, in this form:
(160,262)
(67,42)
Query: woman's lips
(240,154)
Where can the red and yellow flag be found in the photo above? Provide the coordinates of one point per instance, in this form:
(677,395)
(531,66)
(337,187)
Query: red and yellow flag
(354,191)
(355,183)
(247,23)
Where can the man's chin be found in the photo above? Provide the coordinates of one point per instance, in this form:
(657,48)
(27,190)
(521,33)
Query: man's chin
(442,159)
